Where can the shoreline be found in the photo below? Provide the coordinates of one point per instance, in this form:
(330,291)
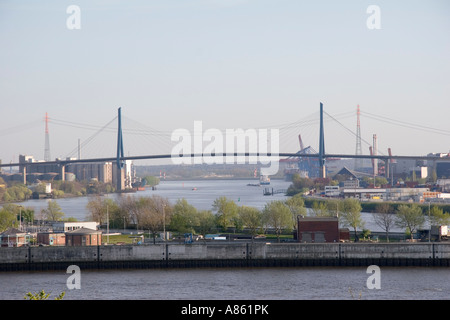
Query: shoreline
(217,255)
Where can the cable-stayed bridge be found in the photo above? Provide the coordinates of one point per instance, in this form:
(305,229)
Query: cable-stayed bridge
(161,144)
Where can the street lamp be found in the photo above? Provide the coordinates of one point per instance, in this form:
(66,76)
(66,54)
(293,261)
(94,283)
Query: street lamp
(164,221)
(429,220)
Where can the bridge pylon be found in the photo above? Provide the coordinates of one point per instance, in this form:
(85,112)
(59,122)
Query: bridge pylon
(120,185)
(322,173)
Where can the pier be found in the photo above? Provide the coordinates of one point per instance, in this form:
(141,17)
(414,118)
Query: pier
(242,254)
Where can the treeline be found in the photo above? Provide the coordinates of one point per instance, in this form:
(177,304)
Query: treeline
(18,192)
(154,213)
(13,215)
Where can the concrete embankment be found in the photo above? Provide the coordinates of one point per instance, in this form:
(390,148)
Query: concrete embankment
(226,255)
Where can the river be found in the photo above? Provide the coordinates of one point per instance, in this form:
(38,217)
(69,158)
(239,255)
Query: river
(294,283)
(199,193)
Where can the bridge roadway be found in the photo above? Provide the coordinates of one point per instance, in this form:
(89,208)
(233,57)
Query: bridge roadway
(193,155)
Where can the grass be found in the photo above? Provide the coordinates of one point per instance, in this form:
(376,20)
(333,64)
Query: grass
(117,239)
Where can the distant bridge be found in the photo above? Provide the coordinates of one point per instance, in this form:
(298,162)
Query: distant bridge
(193,155)
(120,158)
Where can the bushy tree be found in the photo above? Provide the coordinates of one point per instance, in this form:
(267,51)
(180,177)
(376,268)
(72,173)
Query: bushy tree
(101,208)
(155,212)
(350,214)
(226,212)
(206,222)
(319,209)
(251,218)
(278,216)
(7,219)
(296,206)
(410,217)
(53,211)
(185,217)
(438,217)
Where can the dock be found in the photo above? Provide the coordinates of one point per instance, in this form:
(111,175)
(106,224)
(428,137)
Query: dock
(240,254)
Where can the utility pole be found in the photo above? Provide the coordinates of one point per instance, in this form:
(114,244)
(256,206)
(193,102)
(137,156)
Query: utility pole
(358,161)
(47,156)
(375,161)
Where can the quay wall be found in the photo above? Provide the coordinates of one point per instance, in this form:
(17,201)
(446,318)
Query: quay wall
(226,255)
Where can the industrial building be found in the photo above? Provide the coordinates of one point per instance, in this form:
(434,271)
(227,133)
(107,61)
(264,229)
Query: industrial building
(105,172)
(320,229)
(83,237)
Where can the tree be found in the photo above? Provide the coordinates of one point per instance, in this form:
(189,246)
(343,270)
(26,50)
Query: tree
(296,205)
(7,219)
(53,211)
(103,209)
(206,222)
(299,185)
(251,219)
(351,214)
(11,213)
(438,217)
(277,215)
(154,214)
(434,175)
(130,210)
(184,217)
(319,209)
(27,215)
(17,192)
(384,218)
(226,212)
(409,217)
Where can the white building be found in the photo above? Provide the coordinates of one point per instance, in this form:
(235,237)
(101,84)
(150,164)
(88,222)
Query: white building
(70,226)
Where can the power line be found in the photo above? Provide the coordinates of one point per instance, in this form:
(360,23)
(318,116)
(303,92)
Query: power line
(406,124)
(91,138)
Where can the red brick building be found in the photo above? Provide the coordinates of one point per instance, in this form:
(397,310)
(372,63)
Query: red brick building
(83,237)
(51,238)
(318,229)
(13,238)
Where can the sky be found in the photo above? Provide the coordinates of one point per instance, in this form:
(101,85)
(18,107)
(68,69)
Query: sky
(250,64)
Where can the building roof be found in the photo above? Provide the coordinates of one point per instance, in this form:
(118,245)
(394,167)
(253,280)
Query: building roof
(352,173)
(303,218)
(12,232)
(83,231)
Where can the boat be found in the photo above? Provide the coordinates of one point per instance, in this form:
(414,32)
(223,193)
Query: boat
(264,180)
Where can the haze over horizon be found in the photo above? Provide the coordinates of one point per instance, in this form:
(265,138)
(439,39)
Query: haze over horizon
(228,63)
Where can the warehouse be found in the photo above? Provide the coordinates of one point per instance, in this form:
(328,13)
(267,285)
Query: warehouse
(318,229)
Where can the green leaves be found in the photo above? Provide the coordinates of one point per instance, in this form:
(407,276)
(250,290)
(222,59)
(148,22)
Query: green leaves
(41,295)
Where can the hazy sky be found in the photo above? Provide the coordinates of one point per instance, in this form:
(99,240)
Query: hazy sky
(229,63)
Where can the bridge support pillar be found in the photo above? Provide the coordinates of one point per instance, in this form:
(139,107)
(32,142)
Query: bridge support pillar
(62,172)
(120,181)
(24,173)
